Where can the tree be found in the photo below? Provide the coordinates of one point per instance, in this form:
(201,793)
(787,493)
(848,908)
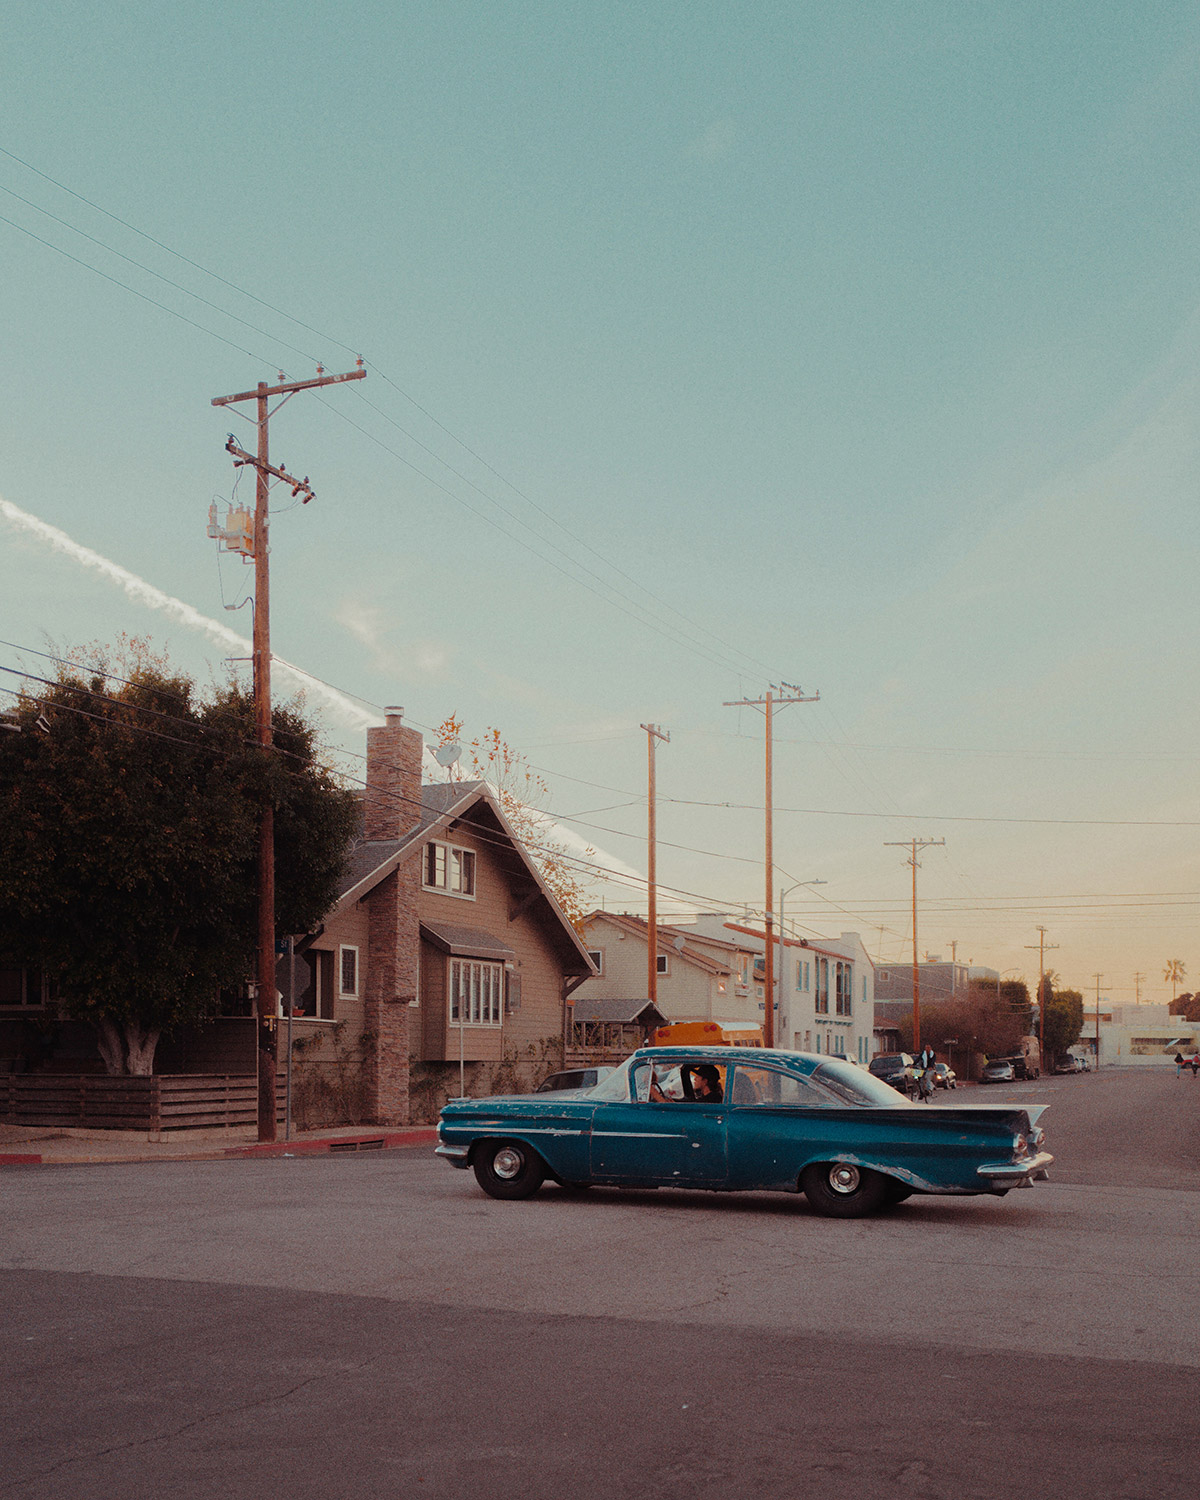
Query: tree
(522,795)
(986,1021)
(1173,973)
(1063,1021)
(129,813)
(1187,1006)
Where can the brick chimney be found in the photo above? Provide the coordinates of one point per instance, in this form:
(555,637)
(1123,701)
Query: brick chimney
(391,808)
(393,800)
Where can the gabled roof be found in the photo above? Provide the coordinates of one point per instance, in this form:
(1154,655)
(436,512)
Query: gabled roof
(668,940)
(624,1011)
(444,803)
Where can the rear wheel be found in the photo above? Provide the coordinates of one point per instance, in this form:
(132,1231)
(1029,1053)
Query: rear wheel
(508,1169)
(840,1190)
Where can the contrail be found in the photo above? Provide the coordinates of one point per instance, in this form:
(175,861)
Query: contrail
(146,594)
(153,598)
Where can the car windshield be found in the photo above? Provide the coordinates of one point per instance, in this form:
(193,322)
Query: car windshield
(855,1086)
(614,1088)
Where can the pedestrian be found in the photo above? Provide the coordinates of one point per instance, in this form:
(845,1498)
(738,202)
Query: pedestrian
(1196,1064)
(1178,1064)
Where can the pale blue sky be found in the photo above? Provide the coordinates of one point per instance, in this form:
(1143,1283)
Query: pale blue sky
(865,336)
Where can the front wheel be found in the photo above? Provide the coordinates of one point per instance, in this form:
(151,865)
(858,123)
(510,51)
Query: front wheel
(840,1190)
(508,1169)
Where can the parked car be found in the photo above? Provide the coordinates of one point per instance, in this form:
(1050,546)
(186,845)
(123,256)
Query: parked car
(896,1068)
(761,1120)
(1000,1071)
(1067,1064)
(944,1076)
(574,1079)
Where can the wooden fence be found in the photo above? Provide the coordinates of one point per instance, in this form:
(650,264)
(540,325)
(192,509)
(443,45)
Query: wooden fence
(167,1101)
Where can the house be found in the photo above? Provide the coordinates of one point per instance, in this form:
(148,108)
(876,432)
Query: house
(446,964)
(698,978)
(712,968)
(824,988)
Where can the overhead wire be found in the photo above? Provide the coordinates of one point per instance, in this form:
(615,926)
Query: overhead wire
(646,617)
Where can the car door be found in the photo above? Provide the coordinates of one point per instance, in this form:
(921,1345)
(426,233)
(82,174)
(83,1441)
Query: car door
(672,1141)
(777,1122)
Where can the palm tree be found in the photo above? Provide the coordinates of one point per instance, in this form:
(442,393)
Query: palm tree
(1173,974)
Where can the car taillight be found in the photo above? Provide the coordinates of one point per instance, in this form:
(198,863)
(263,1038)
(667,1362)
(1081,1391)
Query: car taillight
(1020,1147)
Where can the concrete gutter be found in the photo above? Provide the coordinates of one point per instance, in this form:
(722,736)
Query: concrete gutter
(64,1148)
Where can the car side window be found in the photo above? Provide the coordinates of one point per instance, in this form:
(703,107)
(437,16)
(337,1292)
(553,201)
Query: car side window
(757,1085)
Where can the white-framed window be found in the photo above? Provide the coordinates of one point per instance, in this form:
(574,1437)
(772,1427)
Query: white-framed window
(347,970)
(844,987)
(476,992)
(21,989)
(802,974)
(450,869)
(662,963)
(597,957)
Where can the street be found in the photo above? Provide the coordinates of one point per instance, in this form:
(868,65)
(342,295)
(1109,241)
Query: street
(374,1325)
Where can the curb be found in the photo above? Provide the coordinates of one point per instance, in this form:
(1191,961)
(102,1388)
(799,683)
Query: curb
(413,1135)
(418,1135)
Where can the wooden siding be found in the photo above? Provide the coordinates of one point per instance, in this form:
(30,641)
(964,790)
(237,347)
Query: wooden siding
(537,1025)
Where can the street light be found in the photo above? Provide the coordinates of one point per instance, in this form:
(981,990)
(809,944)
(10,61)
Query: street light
(779,975)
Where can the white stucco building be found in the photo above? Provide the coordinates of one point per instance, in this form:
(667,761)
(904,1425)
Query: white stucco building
(1136,1034)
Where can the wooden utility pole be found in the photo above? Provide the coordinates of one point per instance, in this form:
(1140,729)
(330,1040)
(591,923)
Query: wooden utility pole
(777,697)
(265,1004)
(1137,988)
(1097,978)
(914,845)
(653,734)
(1041,945)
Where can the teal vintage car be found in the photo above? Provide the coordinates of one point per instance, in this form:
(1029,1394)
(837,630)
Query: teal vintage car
(726,1119)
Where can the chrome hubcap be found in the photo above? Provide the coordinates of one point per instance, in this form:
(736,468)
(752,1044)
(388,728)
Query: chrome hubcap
(507,1163)
(844,1178)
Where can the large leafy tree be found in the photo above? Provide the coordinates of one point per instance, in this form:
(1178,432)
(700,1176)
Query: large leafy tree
(1064,1020)
(129,810)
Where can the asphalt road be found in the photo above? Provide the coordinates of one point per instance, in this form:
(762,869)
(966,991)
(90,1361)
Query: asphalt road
(375,1326)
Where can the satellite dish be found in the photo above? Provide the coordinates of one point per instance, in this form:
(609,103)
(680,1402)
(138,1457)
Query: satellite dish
(446,755)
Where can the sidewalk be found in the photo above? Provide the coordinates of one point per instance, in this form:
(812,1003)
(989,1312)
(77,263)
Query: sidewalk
(31,1146)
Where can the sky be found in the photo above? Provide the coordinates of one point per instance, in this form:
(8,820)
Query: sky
(855,347)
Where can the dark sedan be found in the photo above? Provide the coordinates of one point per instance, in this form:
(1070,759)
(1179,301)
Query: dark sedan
(899,1069)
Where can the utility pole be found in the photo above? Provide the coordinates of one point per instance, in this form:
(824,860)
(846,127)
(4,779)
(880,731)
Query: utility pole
(265,1006)
(1137,988)
(914,846)
(1097,978)
(653,734)
(1041,945)
(777,697)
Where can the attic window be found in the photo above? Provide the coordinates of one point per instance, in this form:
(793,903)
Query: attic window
(663,963)
(450,868)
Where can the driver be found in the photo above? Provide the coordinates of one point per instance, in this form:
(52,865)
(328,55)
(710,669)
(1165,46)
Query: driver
(704,1081)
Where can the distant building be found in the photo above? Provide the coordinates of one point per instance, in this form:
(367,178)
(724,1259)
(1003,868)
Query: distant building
(939,980)
(1136,1034)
